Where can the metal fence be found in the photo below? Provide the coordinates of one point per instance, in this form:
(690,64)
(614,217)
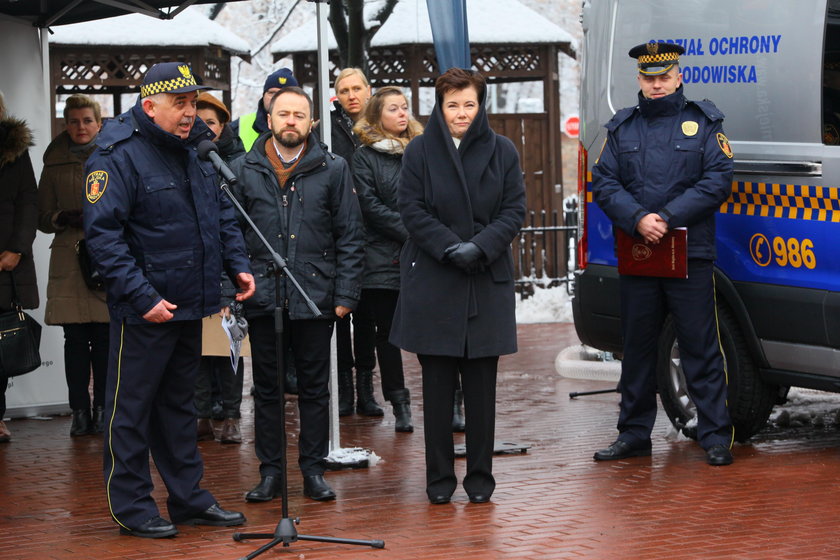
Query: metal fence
(544,252)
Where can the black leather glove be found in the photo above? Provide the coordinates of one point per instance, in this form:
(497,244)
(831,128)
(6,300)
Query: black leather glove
(69,218)
(467,256)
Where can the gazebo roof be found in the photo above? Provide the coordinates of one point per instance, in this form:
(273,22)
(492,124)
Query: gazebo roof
(189,29)
(490,22)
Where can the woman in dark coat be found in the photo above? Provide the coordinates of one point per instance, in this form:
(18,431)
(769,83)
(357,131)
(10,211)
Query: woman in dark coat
(216,369)
(462,200)
(18,222)
(385,131)
(82,312)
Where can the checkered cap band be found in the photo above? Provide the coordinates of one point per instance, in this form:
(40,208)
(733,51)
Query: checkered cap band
(662,57)
(165,86)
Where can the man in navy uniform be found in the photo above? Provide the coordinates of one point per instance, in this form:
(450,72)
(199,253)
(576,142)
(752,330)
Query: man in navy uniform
(160,232)
(667,164)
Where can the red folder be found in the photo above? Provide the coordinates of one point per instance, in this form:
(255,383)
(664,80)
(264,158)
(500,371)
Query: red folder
(666,259)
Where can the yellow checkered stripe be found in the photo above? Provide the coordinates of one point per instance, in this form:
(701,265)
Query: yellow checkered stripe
(164,86)
(774,200)
(661,57)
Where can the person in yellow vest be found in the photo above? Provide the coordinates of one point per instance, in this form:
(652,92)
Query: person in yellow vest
(250,126)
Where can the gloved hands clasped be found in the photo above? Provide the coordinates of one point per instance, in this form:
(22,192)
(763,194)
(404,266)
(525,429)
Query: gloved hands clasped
(467,256)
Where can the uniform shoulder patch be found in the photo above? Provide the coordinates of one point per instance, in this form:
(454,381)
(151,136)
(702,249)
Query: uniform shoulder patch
(95,185)
(723,142)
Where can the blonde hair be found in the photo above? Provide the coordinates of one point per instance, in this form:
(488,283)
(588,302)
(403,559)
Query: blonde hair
(79,101)
(346,73)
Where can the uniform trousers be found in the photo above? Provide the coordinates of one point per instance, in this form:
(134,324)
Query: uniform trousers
(348,352)
(478,378)
(85,350)
(309,340)
(372,320)
(149,407)
(645,302)
(219,369)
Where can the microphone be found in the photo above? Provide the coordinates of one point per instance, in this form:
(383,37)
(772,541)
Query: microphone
(208,151)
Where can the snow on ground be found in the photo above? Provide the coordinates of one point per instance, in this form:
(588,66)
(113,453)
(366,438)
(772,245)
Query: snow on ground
(547,305)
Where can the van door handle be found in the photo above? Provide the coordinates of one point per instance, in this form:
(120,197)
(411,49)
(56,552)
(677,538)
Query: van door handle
(761,167)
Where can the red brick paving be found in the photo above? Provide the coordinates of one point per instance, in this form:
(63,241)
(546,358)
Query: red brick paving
(779,500)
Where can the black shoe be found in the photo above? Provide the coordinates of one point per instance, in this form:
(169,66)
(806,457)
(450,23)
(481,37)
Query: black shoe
(365,402)
(290,386)
(215,516)
(439,499)
(622,450)
(401,401)
(98,420)
(81,424)
(479,498)
(719,456)
(266,490)
(316,487)
(154,528)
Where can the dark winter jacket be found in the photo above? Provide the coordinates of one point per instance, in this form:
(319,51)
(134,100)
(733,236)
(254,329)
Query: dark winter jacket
(62,188)
(448,195)
(376,174)
(18,211)
(319,233)
(156,223)
(344,142)
(667,156)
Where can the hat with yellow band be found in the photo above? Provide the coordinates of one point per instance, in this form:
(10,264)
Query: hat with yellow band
(169,77)
(656,58)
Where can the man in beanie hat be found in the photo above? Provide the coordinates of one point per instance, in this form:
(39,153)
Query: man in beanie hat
(250,126)
(667,164)
(160,233)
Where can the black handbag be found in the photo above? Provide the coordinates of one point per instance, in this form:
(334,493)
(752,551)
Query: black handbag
(20,339)
(89,273)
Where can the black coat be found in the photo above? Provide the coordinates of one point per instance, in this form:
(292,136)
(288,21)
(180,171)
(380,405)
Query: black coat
(18,211)
(344,142)
(448,195)
(376,174)
(323,240)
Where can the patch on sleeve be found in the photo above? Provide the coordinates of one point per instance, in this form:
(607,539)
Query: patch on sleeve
(723,142)
(95,185)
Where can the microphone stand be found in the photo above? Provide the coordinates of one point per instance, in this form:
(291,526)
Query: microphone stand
(285,533)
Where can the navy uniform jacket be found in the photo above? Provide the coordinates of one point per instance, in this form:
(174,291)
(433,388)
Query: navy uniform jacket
(156,223)
(667,156)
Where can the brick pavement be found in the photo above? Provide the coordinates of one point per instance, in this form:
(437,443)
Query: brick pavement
(779,500)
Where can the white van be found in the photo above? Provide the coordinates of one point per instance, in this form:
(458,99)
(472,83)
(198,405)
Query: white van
(771,67)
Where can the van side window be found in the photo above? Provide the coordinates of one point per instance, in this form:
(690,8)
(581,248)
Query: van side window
(831,76)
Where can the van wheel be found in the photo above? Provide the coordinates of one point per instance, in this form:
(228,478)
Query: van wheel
(750,399)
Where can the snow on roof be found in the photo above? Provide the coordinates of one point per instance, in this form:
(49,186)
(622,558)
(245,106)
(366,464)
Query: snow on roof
(189,28)
(489,21)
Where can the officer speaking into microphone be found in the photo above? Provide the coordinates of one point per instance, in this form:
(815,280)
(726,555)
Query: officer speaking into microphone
(160,232)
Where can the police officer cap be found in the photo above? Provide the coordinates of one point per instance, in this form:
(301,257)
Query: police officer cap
(169,77)
(656,58)
(280,79)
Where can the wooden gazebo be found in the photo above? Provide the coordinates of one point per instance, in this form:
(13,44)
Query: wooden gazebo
(509,43)
(111,56)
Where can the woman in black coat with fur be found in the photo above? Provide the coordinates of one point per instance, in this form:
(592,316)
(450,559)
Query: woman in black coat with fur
(462,200)
(18,223)
(384,131)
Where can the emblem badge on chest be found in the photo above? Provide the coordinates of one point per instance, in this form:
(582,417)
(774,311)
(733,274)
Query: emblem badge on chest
(690,128)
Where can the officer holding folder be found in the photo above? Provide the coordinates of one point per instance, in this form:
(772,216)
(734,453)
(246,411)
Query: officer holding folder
(667,164)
